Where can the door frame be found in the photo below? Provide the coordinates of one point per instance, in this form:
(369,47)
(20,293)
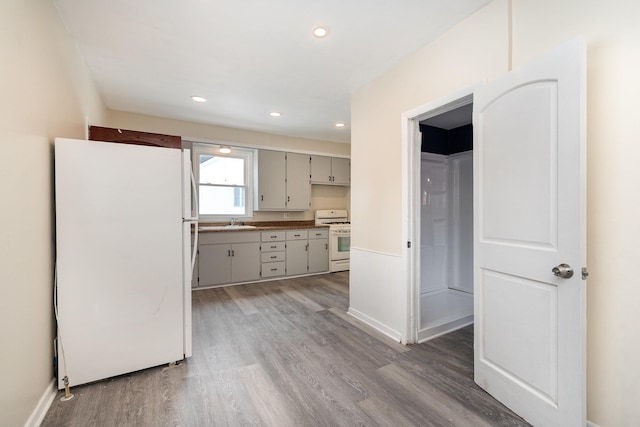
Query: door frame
(411,149)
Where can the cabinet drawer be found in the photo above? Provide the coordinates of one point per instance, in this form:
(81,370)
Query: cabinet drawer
(273,246)
(273,256)
(217,237)
(319,234)
(272,269)
(273,236)
(297,235)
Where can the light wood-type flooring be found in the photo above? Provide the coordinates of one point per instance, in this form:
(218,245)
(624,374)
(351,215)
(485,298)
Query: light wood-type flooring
(285,353)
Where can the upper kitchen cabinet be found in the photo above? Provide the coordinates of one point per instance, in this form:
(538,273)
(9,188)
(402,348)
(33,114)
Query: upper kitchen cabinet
(330,170)
(298,185)
(271,193)
(282,181)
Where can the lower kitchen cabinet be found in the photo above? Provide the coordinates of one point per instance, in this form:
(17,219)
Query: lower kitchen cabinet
(273,253)
(307,251)
(296,257)
(214,265)
(297,254)
(228,257)
(245,262)
(249,256)
(220,264)
(318,255)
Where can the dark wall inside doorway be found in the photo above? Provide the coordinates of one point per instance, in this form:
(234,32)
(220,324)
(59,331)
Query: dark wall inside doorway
(442,141)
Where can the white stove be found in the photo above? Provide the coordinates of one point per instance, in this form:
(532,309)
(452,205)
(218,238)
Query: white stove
(339,236)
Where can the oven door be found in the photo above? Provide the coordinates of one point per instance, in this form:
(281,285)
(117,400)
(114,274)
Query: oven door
(340,244)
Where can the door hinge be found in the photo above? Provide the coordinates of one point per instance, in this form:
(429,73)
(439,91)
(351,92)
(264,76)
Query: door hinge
(409,245)
(585,273)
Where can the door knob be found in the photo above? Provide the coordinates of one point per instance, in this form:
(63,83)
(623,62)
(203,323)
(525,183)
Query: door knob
(563,270)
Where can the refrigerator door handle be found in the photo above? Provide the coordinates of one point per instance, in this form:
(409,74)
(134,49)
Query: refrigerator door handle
(195,221)
(195,194)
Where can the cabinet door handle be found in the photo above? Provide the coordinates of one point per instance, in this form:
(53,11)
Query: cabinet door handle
(274,257)
(296,235)
(233,253)
(229,252)
(306,247)
(288,199)
(262,198)
(326,246)
(274,269)
(273,247)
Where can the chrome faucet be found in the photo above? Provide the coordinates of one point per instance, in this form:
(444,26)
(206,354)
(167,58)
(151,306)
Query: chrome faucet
(233,221)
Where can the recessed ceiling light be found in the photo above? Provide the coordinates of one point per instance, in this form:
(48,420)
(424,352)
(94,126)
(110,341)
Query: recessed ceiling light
(320,32)
(197,98)
(275,114)
(340,125)
(225,150)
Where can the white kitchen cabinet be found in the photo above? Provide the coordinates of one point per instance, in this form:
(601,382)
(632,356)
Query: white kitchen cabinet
(307,251)
(296,257)
(297,235)
(330,170)
(214,266)
(248,256)
(298,182)
(341,171)
(273,236)
(283,181)
(318,251)
(273,253)
(270,191)
(245,262)
(321,170)
(297,252)
(228,257)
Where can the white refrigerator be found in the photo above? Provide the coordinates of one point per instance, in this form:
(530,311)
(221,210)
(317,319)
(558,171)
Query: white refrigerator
(124,258)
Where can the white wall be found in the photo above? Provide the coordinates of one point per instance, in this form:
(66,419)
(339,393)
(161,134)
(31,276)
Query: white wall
(46,92)
(479,48)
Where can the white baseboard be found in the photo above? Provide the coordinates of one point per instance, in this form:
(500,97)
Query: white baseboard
(590,424)
(436,331)
(384,329)
(43,405)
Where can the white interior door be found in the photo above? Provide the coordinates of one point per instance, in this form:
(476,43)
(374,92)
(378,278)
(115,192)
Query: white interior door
(529,216)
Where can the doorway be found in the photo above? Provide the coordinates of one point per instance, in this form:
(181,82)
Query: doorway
(441,216)
(446,223)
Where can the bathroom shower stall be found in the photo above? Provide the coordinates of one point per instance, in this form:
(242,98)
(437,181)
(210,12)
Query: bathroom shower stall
(446,230)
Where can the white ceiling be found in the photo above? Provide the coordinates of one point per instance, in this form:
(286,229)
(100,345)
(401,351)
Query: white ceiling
(250,57)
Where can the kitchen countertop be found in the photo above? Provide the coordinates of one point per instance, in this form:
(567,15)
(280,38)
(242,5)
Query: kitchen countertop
(259,226)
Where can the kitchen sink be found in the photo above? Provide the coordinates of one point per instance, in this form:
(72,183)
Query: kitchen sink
(225,227)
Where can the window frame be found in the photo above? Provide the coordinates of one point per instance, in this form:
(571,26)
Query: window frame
(247,154)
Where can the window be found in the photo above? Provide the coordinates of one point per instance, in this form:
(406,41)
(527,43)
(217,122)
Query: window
(224,182)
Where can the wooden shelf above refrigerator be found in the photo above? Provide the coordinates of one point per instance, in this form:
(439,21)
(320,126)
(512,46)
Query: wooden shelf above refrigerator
(125,136)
